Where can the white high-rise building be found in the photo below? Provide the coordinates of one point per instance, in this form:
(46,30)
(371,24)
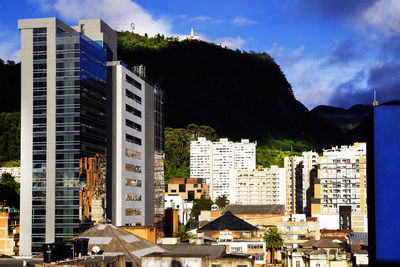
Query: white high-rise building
(217,162)
(245,155)
(223,164)
(201,159)
(267,186)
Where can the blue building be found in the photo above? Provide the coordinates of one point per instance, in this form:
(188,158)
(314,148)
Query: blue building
(383,153)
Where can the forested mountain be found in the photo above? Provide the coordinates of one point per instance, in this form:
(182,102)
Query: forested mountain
(239,94)
(345,119)
(10,86)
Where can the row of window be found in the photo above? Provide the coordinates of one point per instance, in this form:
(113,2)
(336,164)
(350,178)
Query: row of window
(133,154)
(132,139)
(133,110)
(133,82)
(133,197)
(133,125)
(131,212)
(133,168)
(133,182)
(133,96)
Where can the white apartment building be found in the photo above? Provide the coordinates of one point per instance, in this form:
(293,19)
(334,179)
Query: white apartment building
(216,163)
(201,159)
(267,186)
(223,164)
(341,185)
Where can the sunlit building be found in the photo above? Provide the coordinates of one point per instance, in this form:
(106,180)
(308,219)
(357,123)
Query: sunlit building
(63,123)
(339,195)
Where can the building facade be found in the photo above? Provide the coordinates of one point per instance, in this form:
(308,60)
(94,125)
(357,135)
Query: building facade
(340,188)
(63,88)
(216,162)
(201,159)
(301,172)
(135,158)
(267,186)
(189,188)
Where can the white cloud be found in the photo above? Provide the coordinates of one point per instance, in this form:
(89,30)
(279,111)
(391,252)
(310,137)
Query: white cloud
(384,15)
(242,21)
(9,47)
(276,51)
(232,43)
(297,53)
(113,12)
(200,18)
(45,5)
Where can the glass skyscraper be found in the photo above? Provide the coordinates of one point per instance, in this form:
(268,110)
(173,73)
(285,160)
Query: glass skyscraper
(63,130)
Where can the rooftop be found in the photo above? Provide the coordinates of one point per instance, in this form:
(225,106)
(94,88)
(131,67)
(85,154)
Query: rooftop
(230,222)
(116,241)
(255,209)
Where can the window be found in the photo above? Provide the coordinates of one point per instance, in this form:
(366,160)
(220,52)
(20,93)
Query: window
(318,265)
(133,125)
(215,265)
(297,263)
(133,197)
(133,153)
(133,182)
(259,257)
(133,110)
(236,249)
(182,188)
(132,96)
(255,246)
(131,139)
(132,81)
(133,168)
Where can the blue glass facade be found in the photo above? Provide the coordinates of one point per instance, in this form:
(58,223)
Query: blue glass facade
(80,135)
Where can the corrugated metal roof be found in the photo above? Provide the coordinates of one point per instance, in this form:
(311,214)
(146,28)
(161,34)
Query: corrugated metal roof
(115,241)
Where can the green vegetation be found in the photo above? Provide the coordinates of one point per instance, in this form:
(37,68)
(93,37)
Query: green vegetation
(222,202)
(177,148)
(273,241)
(183,233)
(9,191)
(274,151)
(198,206)
(237,93)
(135,41)
(9,139)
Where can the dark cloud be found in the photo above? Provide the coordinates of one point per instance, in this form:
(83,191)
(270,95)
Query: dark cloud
(334,8)
(390,48)
(346,50)
(384,78)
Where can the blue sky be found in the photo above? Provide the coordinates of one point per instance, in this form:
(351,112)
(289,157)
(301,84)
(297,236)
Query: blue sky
(333,52)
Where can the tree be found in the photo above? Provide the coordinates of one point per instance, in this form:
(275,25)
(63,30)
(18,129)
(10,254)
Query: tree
(273,241)
(183,233)
(8,181)
(198,206)
(222,201)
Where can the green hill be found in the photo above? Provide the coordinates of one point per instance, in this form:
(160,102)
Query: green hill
(239,94)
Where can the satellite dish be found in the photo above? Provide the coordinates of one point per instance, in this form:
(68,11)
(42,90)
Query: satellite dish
(95,249)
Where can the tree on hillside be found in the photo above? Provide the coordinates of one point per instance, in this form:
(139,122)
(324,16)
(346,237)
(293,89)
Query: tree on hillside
(222,201)
(273,241)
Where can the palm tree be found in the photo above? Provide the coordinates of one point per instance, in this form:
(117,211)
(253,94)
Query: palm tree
(273,241)
(183,233)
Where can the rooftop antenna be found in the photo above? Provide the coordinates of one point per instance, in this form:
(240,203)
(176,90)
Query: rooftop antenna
(375,103)
(133,26)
